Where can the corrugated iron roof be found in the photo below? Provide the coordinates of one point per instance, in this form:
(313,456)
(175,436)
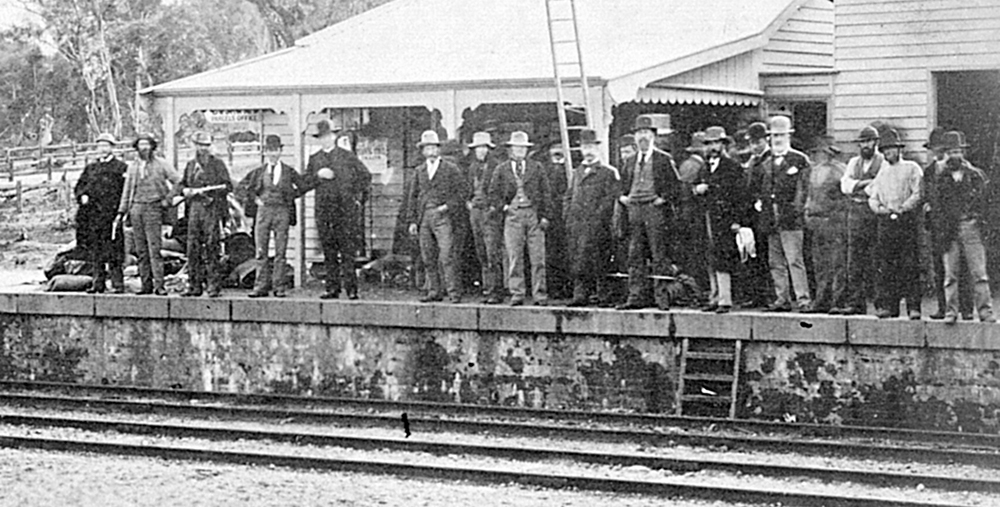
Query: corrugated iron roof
(441,42)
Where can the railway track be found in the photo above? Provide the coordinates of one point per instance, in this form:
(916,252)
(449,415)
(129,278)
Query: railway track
(439,410)
(985,457)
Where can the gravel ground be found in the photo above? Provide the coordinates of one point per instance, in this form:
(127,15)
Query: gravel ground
(554,467)
(33,478)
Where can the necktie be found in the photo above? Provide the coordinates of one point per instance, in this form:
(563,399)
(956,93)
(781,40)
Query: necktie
(520,170)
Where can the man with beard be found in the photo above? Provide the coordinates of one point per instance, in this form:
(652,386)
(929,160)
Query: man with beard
(959,207)
(438,188)
(650,191)
(720,192)
(861,223)
(778,187)
(938,247)
(342,184)
(589,204)
(894,197)
(145,194)
(558,273)
(520,187)
(99,192)
(205,185)
(484,218)
(272,188)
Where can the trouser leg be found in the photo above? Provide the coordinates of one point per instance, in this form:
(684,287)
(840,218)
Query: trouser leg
(779,269)
(638,253)
(429,253)
(656,232)
(792,244)
(136,217)
(262,236)
(153,228)
(975,257)
(280,227)
(536,253)
(515,235)
(444,235)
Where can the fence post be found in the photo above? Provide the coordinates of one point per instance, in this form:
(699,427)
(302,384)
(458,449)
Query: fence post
(20,200)
(10,165)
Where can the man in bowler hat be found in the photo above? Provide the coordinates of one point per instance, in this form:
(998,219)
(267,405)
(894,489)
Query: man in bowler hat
(272,189)
(343,185)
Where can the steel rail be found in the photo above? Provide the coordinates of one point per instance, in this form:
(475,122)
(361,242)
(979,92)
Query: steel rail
(949,438)
(491,476)
(677,465)
(985,459)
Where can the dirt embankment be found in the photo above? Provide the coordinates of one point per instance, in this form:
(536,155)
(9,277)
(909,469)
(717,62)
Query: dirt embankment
(44,227)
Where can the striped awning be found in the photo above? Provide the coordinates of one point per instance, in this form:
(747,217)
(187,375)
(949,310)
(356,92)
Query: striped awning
(693,94)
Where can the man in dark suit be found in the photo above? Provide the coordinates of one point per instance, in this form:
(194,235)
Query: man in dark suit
(520,188)
(720,192)
(99,191)
(205,185)
(485,219)
(650,190)
(437,191)
(342,184)
(270,193)
(778,188)
(589,204)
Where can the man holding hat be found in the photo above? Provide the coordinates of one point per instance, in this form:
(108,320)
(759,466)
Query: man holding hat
(145,195)
(826,218)
(936,147)
(861,223)
(99,191)
(590,202)
(778,187)
(342,184)
(651,191)
(438,190)
(720,192)
(271,190)
(894,197)
(520,188)
(484,218)
(754,284)
(205,186)
(959,206)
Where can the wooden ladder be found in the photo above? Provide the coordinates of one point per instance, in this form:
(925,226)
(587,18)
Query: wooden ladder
(569,74)
(707,367)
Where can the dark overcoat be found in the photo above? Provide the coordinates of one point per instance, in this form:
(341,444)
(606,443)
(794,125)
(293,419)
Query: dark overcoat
(590,202)
(723,205)
(102,182)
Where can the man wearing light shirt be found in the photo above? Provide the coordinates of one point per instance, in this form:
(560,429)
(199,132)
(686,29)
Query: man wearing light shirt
(273,188)
(861,223)
(894,197)
(438,189)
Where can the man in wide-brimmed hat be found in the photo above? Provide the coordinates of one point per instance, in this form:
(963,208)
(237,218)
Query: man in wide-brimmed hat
(99,192)
(438,190)
(778,189)
(720,191)
(269,194)
(936,153)
(485,219)
(861,222)
(145,195)
(651,191)
(826,218)
(895,198)
(205,186)
(958,210)
(343,185)
(589,205)
(520,189)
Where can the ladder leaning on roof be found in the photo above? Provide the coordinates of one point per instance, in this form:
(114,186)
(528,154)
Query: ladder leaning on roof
(567,65)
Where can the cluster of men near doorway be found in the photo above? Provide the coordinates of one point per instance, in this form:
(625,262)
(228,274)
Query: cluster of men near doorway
(736,224)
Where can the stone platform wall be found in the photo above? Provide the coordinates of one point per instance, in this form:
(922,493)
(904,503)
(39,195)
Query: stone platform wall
(804,368)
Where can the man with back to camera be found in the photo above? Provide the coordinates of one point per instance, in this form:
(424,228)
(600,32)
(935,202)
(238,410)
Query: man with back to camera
(273,188)
(205,185)
(861,223)
(99,192)
(520,188)
(558,269)
(894,197)
(589,203)
(826,218)
(650,191)
(779,186)
(145,195)
(960,203)
(342,184)
(438,187)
